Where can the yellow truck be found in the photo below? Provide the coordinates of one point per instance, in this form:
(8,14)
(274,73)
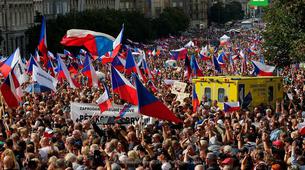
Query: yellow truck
(264,90)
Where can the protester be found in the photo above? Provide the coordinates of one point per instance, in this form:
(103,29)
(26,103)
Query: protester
(40,133)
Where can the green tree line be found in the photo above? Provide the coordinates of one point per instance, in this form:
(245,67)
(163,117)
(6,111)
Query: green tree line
(171,21)
(285,31)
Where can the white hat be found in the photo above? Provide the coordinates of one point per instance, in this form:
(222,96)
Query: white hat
(166,166)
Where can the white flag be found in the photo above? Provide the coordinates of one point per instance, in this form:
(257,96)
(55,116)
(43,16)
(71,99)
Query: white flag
(43,78)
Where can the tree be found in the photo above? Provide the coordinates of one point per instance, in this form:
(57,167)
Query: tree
(285,31)
(137,26)
(222,13)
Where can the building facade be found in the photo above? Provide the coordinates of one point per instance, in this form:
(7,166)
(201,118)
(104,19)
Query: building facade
(15,18)
(197,10)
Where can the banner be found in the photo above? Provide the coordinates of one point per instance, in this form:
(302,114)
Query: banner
(43,78)
(84,111)
(178,87)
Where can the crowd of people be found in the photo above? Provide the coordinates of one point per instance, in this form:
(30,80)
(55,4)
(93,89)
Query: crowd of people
(40,133)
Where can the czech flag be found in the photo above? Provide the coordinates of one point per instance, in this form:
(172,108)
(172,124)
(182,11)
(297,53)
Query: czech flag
(204,53)
(9,90)
(195,67)
(42,45)
(146,69)
(261,69)
(216,64)
(63,73)
(123,111)
(130,64)
(231,106)
(149,105)
(117,43)
(221,59)
(50,68)
(10,62)
(31,62)
(178,54)
(122,87)
(97,43)
(106,58)
(89,72)
(104,101)
(119,63)
(195,100)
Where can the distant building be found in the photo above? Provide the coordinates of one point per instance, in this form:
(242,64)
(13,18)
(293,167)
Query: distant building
(15,17)
(197,10)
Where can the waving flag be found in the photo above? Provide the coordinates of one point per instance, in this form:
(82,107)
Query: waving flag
(178,54)
(9,92)
(221,59)
(10,62)
(149,105)
(123,111)
(122,87)
(31,63)
(63,72)
(106,58)
(204,53)
(51,55)
(216,65)
(42,45)
(104,101)
(90,73)
(231,106)
(195,68)
(96,43)
(117,43)
(50,68)
(119,63)
(146,69)
(20,73)
(43,78)
(130,64)
(261,69)
(195,100)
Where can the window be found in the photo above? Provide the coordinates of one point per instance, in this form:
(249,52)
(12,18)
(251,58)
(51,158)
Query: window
(207,93)
(221,94)
(270,93)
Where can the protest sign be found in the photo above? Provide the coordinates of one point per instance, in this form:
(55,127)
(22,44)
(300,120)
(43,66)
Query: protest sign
(178,87)
(83,111)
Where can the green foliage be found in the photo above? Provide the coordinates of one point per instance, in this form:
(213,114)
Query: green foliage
(137,26)
(222,13)
(285,31)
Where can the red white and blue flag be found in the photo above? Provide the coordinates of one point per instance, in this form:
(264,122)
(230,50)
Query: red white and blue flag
(9,90)
(104,102)
(117,43)
(195,100)
(10,62)
(42,45)
(149,105)
(261,69)
(178,54)
(90,73)
(97,43)
(122,87)
(231,106)
(63,73)
(196,71)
